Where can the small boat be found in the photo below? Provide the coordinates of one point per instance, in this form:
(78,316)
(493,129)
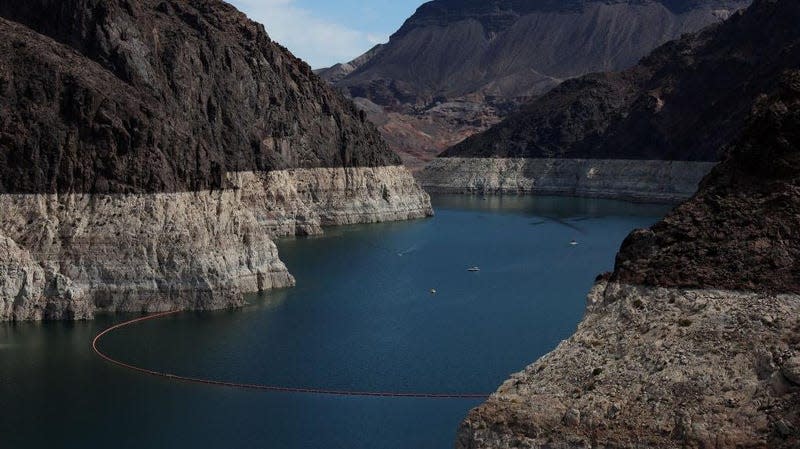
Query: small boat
(433,291)
(474,269)
(574,243)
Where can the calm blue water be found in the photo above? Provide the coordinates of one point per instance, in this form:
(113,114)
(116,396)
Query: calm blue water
(362,317)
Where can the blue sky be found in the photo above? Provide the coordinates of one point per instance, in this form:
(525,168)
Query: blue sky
(324,32)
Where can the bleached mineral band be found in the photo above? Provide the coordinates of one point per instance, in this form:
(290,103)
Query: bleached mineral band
(640,180)
(69,256)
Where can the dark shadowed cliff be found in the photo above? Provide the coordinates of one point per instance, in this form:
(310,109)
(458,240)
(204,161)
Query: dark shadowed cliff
(150,150)
(457,66)
(685,101)
(160,95)
(742,230)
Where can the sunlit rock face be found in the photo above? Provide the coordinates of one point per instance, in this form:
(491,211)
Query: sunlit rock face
(637,180)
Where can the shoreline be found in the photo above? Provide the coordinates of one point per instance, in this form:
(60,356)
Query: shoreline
(666,182)
(72,255)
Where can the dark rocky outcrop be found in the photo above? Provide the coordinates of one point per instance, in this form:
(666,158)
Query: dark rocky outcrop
(150,151)
(742,229)
(685,101)
(457,66)
(160,95)
(694,340)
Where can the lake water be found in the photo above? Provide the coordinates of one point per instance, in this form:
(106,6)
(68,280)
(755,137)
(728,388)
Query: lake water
(361,318)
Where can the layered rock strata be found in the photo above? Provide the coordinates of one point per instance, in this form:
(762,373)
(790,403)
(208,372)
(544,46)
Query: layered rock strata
(303,201)
(72,255)
(653,181)
(151,150)
(694,340)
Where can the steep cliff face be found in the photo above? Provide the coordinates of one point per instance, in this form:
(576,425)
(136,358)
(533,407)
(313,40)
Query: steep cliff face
(71,255)
(656,368)
(149,151)
(199,91)
(742,230)
(650,181)
(457,67)
(694,340)
(685,101)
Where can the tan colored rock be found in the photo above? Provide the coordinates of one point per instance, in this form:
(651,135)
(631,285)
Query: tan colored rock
(302,201)
(680,368)
(22,280)
(29,292)
(67,256)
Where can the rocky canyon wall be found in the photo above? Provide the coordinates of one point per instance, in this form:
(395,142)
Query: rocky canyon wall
(688,100)
(69,256)
(151,150)
(457,67)
(656,368)
(694,340)
(652,181)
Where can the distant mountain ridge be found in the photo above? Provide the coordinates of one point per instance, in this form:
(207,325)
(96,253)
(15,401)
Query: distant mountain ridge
(685,101)
(336,72)
(497,15)
(457,66)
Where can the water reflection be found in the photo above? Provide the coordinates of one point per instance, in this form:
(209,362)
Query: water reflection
(554,207)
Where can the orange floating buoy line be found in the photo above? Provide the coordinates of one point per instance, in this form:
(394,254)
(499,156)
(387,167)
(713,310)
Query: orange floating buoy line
(258,387)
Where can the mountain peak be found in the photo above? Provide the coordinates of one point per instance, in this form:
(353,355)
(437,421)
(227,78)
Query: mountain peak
(456,67)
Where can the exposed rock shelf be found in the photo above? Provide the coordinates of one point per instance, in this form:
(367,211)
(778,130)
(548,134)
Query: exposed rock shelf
(302,201)
(69,256)
(653,181)
(656,368)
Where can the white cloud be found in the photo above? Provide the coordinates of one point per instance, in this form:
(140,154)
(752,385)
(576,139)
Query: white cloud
(319,42)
